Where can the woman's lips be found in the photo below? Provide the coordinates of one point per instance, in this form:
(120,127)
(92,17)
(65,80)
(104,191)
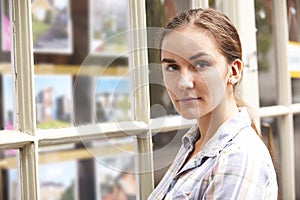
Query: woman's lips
(189,99)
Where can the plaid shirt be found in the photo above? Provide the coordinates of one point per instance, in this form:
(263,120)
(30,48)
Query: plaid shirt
(234,164)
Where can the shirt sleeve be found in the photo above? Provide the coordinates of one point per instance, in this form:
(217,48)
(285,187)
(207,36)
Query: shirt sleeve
(242,175)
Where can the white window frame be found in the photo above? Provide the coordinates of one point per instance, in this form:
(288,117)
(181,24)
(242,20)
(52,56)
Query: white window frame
(28,140)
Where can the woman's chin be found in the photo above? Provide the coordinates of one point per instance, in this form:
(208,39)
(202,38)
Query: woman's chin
(190,115)
(193,114)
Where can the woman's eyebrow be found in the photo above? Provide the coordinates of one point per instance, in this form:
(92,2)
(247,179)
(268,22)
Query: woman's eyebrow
(197,55)
(167,60)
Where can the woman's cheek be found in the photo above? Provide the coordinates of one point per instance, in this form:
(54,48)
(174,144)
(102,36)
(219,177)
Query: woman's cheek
(215,87)
(170,82)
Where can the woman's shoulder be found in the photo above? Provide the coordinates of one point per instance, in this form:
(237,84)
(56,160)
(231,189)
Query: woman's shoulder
(248,141)
(247,146)
(247,157)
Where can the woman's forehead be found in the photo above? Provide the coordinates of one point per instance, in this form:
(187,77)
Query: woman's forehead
(186,42)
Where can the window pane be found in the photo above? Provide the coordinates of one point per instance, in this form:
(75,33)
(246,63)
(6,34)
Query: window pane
(267,68)
(270,133)
(115,174)
(6,88)
(296,90)
(10,178)
(81,62)
(58,180)
(53,101)
(293,20)
(58,173)
(293,12)
(158,12)
(8,101)
(96,169)
(297,153)
(165,148)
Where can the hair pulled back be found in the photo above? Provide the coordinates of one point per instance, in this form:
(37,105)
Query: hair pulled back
(216,24)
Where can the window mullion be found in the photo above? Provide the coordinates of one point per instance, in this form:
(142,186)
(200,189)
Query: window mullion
(29,171)
(141,104)
(23,76)
(23,70)
(285,98)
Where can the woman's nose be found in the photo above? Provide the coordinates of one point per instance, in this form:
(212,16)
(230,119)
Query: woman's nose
(186,81)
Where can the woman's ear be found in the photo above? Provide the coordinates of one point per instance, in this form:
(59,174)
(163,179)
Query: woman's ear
(236,69)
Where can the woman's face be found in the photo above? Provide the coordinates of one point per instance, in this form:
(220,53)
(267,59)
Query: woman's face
(195,73)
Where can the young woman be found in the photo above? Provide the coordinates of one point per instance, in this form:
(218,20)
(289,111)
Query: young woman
(223,156)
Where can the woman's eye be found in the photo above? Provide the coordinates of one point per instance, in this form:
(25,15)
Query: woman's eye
(200,65)
(171,68)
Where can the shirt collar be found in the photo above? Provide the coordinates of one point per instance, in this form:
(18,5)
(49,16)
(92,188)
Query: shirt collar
(227,131)
(190,137)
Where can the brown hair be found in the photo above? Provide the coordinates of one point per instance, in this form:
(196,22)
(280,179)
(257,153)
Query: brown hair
(216,23)
(220,27)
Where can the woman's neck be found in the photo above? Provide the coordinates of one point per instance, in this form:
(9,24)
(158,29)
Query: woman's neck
(209,123)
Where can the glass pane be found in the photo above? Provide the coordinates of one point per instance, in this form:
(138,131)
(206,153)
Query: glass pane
(81,62)
(6,88)
(115,176)
(267,68)
(58,174)
(58,180)
(293,12)
(105,170)
(53,101)
(165,148)
(296,90)
(158,12)
(98,169)
(10,178)
(8,101)
(297,153)
(270,133)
